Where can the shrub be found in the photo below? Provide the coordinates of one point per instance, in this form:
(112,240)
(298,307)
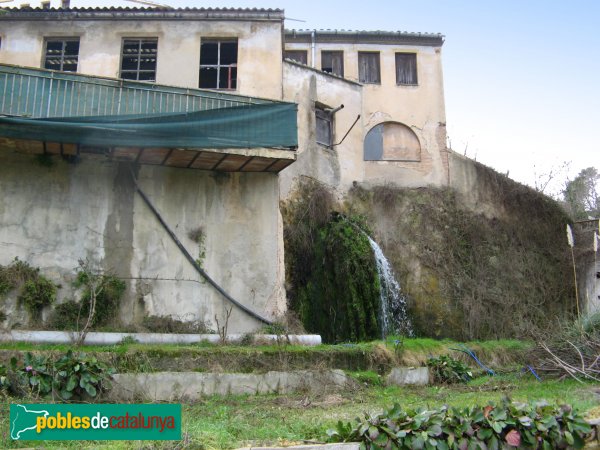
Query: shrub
(448,370)
(536,425)
(36,291)
(14,275)
(36,294)
(66,315)
(108,290)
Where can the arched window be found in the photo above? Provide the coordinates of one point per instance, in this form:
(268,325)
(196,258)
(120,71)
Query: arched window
(392,141)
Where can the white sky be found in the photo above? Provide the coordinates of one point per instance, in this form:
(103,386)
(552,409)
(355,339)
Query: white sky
(522,78)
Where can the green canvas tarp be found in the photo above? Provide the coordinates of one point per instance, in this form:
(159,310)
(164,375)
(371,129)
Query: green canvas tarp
(271,125)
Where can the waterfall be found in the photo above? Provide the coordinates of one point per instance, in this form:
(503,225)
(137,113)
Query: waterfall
(393,318)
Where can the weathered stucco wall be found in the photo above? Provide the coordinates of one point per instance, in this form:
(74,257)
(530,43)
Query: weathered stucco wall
(419,107)
(178,54)
(54,216)
(339,166)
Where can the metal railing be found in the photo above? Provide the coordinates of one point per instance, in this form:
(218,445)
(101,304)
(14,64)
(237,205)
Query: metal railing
(38,93)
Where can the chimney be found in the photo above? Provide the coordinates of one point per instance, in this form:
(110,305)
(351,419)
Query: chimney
(65,4)
(45,5)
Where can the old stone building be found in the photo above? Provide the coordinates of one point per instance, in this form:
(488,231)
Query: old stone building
(200,102)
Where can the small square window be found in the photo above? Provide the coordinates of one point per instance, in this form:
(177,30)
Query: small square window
(333,62)
(300,56)
(324,125)
(406,69)
(218,64)
(62,54)
(138,59)
(368,68)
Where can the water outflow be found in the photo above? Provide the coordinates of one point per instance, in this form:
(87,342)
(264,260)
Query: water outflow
(392,313)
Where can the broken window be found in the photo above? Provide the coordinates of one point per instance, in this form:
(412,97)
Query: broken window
(218,64)
(406,68)
(324,121)
(299,56)
(138,59)
(368,67)
(62,54)
(333,62)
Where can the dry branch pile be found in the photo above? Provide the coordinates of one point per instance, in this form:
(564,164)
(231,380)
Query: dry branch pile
(573,351)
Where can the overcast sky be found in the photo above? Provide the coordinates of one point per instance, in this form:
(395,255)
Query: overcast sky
(522,78)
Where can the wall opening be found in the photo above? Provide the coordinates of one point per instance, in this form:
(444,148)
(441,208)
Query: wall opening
(392,141)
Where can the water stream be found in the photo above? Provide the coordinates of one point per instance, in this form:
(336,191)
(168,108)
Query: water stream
(393,318)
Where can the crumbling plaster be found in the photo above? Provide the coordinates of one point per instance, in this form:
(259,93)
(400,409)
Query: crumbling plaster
(54,216)
(178,61)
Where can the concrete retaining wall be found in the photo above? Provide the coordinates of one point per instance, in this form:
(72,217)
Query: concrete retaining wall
(400,376)
(97,338)
(176,386)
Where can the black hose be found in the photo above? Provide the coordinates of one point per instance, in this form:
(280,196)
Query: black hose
(189,257)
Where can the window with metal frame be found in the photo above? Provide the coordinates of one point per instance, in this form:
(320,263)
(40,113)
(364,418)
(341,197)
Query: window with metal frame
(368,68)
(324,125)
(218,64)
(138,59)
(333,62)
(300,56)
(61,54)
(406,69)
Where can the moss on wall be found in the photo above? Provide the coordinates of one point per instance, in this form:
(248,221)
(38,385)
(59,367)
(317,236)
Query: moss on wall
(331,269)
(471,276)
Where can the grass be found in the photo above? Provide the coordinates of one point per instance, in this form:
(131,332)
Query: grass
(376,355)
(236,421)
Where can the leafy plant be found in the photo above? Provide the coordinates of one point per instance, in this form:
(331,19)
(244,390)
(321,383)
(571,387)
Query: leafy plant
(15,274)
(78,375)
(536,425)
(35,375)
(5,383)
(277,328)
(72,376)
(447,370)
(36,294)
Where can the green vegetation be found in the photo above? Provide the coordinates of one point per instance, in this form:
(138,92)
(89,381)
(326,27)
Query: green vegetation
(536,425)
(237,421)
(469,275)
(167,324)
(36,294)
(374,356)
(71,376)
(340,300)
(107,291)
(35,291)
(447,370)
(331,269)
